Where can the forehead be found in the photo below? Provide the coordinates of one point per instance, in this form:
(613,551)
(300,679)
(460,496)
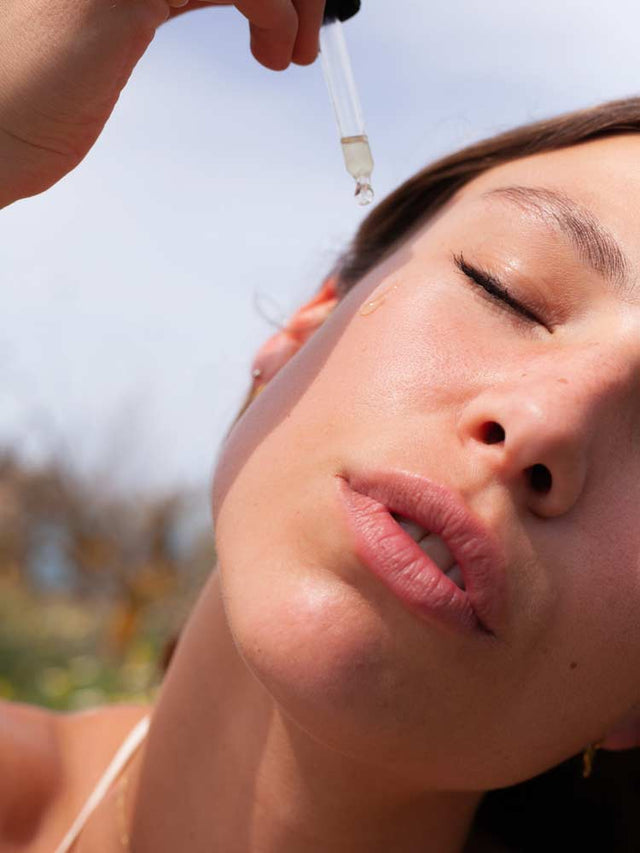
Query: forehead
(602,176)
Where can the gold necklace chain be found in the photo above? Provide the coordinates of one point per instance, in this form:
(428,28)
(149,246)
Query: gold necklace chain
(123,831)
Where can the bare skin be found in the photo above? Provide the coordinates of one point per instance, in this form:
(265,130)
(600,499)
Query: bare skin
(50,764)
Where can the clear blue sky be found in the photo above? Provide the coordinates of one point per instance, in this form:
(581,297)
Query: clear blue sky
(134,290)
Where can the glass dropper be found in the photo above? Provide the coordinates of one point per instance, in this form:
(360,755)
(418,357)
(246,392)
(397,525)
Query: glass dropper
(344,96)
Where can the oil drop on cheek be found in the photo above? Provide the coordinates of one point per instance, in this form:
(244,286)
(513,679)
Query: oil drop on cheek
(372,305)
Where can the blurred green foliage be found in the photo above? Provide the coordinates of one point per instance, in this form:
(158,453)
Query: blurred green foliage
(92,587)
(55,652)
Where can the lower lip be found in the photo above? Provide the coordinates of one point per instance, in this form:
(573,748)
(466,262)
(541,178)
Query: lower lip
(403,567)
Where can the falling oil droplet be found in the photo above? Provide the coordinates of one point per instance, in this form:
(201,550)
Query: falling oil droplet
(364,192)
(373,304)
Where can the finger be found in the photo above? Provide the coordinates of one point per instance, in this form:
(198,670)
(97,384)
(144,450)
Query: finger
(310,15)
(274,26)
(179,7)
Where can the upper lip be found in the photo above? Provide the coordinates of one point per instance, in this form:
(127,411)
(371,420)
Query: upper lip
(441,511)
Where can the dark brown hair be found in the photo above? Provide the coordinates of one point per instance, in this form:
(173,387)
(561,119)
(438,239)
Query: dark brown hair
(557,811)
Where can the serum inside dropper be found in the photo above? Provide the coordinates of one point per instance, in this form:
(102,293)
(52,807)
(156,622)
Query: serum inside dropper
(359,163)
(344,96)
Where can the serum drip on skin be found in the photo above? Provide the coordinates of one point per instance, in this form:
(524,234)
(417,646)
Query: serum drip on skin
(372,305)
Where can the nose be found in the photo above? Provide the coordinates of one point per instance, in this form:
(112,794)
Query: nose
(535,434)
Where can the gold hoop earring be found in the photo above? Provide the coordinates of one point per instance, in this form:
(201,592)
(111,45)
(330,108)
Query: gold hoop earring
(588,757)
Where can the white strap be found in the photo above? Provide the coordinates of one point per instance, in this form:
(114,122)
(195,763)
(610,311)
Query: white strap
(122,756)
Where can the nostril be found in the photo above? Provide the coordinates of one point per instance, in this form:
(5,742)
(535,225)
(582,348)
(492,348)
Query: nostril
(492,433)
(540,478)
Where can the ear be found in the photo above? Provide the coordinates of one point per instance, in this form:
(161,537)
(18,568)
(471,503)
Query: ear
(625,734)
(277,351)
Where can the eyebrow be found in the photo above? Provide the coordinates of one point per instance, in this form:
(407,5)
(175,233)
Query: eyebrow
(595,245)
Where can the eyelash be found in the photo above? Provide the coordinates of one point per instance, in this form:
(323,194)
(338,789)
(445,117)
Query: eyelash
(492,286)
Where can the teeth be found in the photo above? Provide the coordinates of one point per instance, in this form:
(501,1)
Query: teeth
(456,576)
(414,530)
(435,548)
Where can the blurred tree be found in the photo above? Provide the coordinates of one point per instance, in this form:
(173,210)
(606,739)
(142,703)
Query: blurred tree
(136,566)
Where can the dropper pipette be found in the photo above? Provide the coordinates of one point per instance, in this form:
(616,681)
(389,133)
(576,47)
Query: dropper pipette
(344,96)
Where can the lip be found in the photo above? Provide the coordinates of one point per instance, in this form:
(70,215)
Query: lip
(393,556)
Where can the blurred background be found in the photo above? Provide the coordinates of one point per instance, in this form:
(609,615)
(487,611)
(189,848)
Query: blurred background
(138,288)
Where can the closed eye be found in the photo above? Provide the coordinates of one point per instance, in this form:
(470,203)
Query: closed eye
(495,289)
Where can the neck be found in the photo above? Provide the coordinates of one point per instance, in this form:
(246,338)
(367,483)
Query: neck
(225,769)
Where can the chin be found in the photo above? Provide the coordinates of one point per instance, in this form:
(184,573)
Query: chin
(330,663)
(321,653)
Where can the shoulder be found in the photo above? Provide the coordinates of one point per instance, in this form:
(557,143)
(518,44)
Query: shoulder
(29,769)
(94,735)
(49,763)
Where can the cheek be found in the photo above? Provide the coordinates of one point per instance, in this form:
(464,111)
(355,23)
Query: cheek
(415,342)
(606,603)
(597,555)
(432,338)
(286,389)
(583,672)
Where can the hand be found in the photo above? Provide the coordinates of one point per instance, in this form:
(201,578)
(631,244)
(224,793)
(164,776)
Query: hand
(63,64)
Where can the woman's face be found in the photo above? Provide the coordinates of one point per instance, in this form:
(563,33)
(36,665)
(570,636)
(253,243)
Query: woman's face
(448,382)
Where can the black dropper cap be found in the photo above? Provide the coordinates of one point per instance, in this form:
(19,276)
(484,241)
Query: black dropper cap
(341,9)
